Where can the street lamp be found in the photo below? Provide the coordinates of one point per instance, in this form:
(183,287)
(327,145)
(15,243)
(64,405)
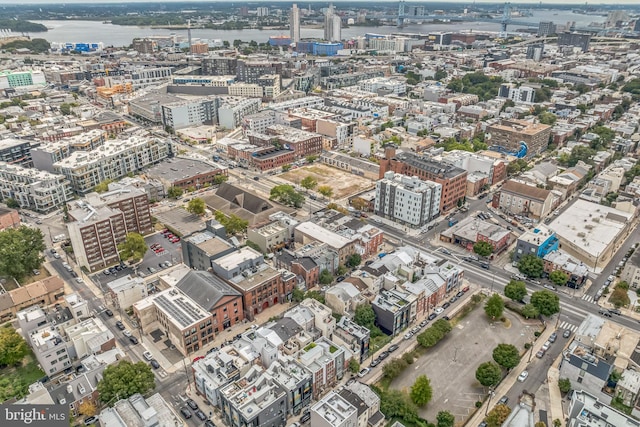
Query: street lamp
(491,394)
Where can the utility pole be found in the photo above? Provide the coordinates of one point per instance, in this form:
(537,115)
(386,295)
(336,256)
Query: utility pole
(491,394)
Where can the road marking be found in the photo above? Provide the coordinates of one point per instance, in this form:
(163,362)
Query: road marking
(588,298)
(567,325)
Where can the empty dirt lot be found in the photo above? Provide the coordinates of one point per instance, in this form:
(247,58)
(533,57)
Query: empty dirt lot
(344,184)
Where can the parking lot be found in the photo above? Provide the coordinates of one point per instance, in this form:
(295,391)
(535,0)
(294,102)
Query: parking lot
(451,366)
(172,253)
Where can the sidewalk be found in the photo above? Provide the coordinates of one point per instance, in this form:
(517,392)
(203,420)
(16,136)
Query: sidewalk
(510,379)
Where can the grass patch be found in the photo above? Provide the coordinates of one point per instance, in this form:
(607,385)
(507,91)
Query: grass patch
(15,380)
(616,403)
(378,342)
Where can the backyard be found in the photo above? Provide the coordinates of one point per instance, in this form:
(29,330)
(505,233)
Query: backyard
(15,380)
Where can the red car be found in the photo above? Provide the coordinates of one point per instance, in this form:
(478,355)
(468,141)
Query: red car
(465,289)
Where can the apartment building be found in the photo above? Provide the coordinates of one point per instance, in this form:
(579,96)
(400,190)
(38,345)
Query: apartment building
(334,411)
(523,199)
(115,159)
(140,411)
(16,152)
(384,86)
(269,237)
(355,337)
(45,155)
(309,232)
(407,200)
(509,134)
(233,109)
(395,310)
(33,189)
(43,292)
(301,142)
(201,248)
(326,362)
(149,107)
(191,113)
(182,320)
(452,179)
(261,286)
(101,222)
(251,71)
(217,369)
(126,291)
(219,66)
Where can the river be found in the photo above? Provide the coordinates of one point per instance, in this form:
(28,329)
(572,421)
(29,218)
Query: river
(119,35)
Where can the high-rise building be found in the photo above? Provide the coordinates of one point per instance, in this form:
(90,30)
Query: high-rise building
(294,23)
(546,28)
(332,25)
(580,40)
(408,200)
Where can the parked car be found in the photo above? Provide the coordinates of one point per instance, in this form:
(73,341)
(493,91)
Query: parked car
(553,337)
(120,325)
(445,305)
(465,289)
(127,333)
(566,333)
(438,310)
(201,415)
(133,340)
(615,311)
(186,413)
(392,348)
(503,400)
(108,312)
(540,354)
(432,316)
(192,404)
(90,420)
(209,423)
(546,346)
(147,355)
(363,372)
(154,363)
(408,336)
(374,363)
(460,294)
(523,376)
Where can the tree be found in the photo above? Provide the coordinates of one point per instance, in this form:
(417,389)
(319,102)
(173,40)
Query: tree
(494,306)
(20,251)
(316,295)
(445,419)
(517,166)
(506,355)
(540,424)
(354,366)
(196,206)
(233,224)
(13,348)
(124,380)
(65,109)
(483,248)
(325,190)
(560,278)
(421,391)
(133,248)
(219,179)
(564,384)
(87,408)
(359,204)
(297,295)
(516,290)
(531,266)
(396,404)
(498,415)
(619,297)
(353,260)
(529,311)
(364,316)
(287,195)
(311,158)
(309,182)
(174,192)
(103,187)
(325,277)
(12,203)
(546,302)
(488,374)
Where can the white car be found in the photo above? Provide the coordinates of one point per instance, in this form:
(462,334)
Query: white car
(147,355)
(546,345)
(127,333)
(363,372)
(523,376)
(439,310)
(408,336)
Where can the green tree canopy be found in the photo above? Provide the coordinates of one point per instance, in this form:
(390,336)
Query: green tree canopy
(133,248)
(498,415)
(174,192)
(483,248)
(494,306)
(515,290)
(297,295)
(13,348)
(12,203)
(531,266)
(489,374)
(353,260)
(308,182)
(325,277)
(103,187)
(20,251)
(559,277)
(619,297)
(325,190)
(445,419)
(477,83)
(196,206)
(421,391)
(506,355)
(354,366)
(396,404)
(233,224)
(529,311)
(517,166)
(124,380)
(219,179)
(564,384)
(287,195)
(365,316)
(316,295)
(547,302)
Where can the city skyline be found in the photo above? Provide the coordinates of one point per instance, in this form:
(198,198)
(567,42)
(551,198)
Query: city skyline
(520,2)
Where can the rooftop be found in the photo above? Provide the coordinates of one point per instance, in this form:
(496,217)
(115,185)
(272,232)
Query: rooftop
(334,409)
(179,308)
(205,288)
(180,168)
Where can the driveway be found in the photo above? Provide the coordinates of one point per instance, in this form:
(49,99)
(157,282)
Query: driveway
(451,366)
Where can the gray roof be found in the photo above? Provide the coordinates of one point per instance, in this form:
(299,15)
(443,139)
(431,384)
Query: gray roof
(355,400)
(242,198)
(178,169)
(205,288)
(285,328)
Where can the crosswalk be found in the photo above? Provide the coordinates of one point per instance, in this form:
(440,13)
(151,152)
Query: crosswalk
(566,325)
(588,298)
